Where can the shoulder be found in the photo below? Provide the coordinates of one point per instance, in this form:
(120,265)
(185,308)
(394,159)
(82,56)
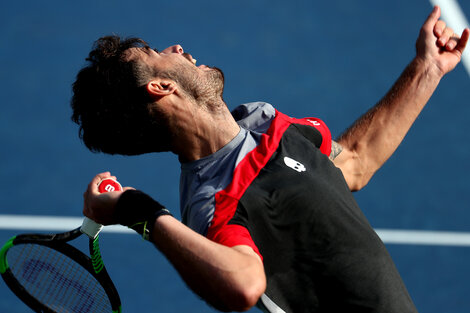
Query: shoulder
(255,116)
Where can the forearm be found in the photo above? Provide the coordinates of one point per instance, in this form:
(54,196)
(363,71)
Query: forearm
(377,134)
(228,278)
(373,138)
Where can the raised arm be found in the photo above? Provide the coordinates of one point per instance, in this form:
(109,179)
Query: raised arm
(228,278)
(373,138)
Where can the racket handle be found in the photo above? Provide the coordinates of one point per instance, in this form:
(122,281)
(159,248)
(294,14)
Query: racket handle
(90,228)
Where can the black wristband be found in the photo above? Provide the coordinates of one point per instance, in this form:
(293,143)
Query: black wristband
(139,211)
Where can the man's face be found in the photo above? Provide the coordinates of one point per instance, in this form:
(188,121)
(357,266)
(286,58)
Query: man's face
(199,82)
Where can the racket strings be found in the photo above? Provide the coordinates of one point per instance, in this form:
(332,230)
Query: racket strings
(56,280)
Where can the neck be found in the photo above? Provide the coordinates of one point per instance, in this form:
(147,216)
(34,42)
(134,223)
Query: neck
(203,130)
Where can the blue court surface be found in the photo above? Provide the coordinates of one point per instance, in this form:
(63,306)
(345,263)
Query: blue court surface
(328,59)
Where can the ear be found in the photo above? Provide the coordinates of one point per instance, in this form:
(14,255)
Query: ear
(161,88)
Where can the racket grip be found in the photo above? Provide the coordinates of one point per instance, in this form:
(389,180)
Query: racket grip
(90,228)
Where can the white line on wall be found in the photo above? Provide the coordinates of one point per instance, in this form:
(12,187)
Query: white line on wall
(26,223)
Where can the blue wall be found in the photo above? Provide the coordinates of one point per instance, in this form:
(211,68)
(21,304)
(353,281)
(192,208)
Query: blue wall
(329,59)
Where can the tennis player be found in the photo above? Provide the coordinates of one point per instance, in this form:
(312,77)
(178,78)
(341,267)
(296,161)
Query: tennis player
(268,217)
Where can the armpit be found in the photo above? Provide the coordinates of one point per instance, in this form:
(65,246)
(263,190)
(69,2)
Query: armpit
(336,149)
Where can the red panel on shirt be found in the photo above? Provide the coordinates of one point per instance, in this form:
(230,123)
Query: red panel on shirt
(226,201)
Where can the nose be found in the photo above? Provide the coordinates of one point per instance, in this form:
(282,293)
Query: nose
(174,49)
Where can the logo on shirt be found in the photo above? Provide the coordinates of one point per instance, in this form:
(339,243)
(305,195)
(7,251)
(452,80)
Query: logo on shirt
(295,165)
(314,123)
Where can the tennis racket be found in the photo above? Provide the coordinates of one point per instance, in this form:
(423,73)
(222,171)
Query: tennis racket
(50,275)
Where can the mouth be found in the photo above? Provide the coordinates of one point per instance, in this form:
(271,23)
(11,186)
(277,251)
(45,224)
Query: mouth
(189,58)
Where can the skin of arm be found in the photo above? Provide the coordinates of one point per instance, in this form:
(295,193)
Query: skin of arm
(373,138)
(228,278)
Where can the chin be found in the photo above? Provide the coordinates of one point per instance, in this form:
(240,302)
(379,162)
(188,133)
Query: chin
(218,79)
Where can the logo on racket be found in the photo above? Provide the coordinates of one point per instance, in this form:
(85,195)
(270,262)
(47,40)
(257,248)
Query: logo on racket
(109,188)
(109,185)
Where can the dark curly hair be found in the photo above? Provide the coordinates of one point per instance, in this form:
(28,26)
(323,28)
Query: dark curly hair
(110,102)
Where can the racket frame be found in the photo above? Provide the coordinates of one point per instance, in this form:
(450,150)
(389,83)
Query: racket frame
(59,242)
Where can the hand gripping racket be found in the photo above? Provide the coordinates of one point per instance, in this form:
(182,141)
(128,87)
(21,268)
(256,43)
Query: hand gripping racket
(50,275)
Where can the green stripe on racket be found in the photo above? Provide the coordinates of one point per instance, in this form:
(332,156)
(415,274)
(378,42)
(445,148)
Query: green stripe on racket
(51,276)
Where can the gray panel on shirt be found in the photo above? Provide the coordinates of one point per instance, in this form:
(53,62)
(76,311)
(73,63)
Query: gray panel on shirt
(202,179)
